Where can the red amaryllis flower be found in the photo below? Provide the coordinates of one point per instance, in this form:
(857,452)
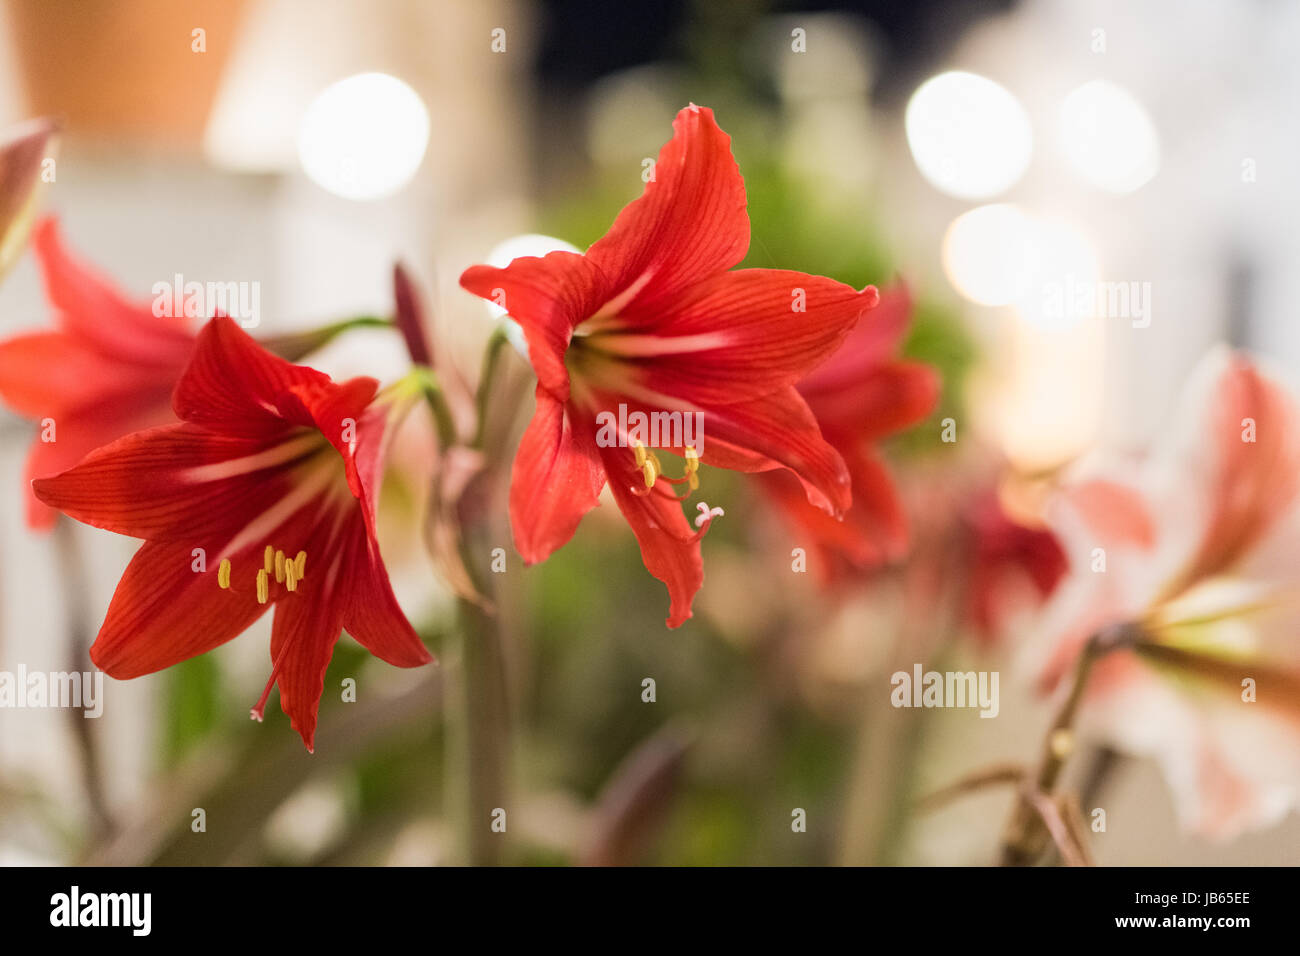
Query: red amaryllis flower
(1191,556)
(1011,565)
(273,473)
(650,320)
(107,371)
(864,393)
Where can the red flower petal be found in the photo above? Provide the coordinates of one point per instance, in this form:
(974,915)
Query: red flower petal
(80,433)
(1005,553)
(548,297)
(886,400)
(179,481)
(1116,513)
(690,223)
(164,612)
(557,478)
(670,549)
(235,386)
(46,373)
(741,335)
(302,642)
(338,412)
(373,616)
(872,532)
(91,309)
(1255,481)
(873,342)
(778,430)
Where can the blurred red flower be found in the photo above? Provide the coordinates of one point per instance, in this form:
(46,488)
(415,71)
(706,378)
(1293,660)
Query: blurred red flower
(1010,562)
(863,394)
(263,494)
(651,318)
(107,371)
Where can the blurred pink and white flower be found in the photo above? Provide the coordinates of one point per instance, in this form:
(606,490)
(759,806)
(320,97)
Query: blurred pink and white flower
(1195,552)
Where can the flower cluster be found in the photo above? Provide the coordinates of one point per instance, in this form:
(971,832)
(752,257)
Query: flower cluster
(1168,587)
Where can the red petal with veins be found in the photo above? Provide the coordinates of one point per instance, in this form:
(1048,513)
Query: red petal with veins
(778,430)
(79,432)
(557,478)
(302,642)
(774,431)
(236,387)
(689,224)
(670,548)
(548,297)
(178,481)
(872,343)
(372,616)
(164,612)
(741,335)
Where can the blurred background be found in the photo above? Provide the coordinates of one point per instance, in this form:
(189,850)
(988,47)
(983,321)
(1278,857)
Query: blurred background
(1151,144)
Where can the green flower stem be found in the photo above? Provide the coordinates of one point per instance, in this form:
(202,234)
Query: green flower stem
(480,706)
(442,418)
(486,705)
(72,569)
(485,710)
(491,362)
(294,346)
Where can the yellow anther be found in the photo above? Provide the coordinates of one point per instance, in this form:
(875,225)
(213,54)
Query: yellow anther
(263,586)
(268,558)
(279,567)
(223,573)
(291,575)
(692,467)
(650,469)
(300,564)
(638,450)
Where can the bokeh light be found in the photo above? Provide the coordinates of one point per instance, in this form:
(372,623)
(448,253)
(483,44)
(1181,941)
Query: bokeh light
(364,136)
(1001,254)
(989,254)
(1108,138)
(970,137)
